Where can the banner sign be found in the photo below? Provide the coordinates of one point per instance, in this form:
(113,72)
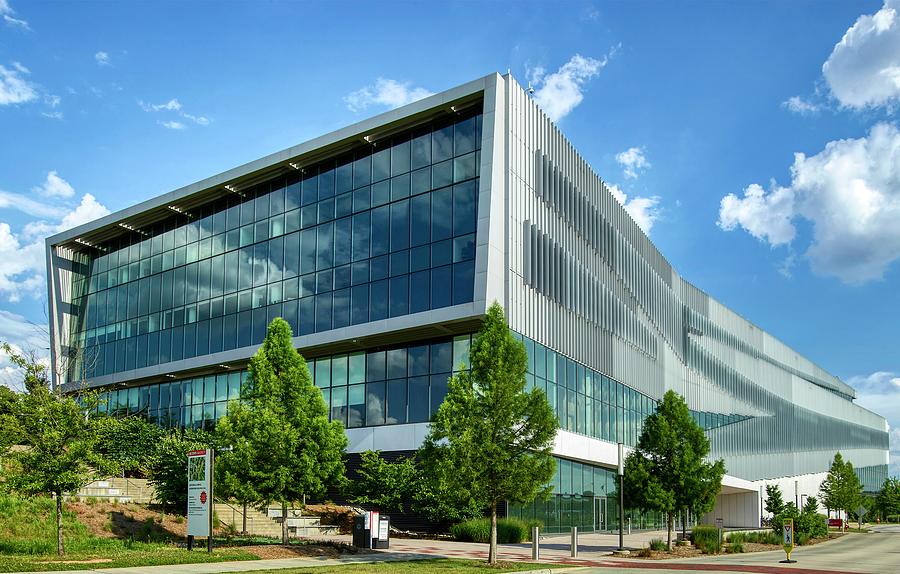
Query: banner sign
(199,506)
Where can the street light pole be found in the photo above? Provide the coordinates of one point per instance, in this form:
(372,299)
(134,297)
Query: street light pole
(621,497)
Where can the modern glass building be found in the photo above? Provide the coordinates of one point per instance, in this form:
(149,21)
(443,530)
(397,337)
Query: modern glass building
(382,244)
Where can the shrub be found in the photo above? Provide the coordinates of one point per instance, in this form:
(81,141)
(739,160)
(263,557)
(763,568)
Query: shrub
(509,530)
(737,538)
(645,552)
(658,545)
(706,538)
(530,524)
(735,548)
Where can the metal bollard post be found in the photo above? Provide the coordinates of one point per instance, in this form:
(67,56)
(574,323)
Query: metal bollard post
(629,526)
(574,544)
(535,543)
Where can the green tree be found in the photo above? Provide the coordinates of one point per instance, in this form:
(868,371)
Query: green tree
(284,447)
(59,433)
(491,440)
(167,467)
(10,429)
(667,471)
(888,499)
(129,442)
(774,500)
(383,484)
(841,489)
(810,522)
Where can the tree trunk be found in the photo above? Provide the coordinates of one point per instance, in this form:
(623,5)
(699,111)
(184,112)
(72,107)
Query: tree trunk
(59,529)
(492,551)
(244,525)
(670,523)
(284,529)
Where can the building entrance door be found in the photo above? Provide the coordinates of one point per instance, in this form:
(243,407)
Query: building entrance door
(600,519)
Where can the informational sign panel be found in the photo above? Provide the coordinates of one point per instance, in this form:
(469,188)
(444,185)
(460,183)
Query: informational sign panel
(199,506)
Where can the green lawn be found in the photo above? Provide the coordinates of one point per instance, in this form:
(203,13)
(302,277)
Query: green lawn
(436,566)
(139,554)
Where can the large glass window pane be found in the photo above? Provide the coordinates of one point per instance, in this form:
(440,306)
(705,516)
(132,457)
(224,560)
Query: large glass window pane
(421,150)
(400,157)
(464,138)
(375,366)
(357,405)
(381,230)
(359,304)
(362,170)
(375,410)
(399,296)
(418,360)
(464,208)
(442,144)
(421,220)
(357,367)
(381,164)
(460,351)
(339,370)
(438,391)
(396,402)
(419,404)
(381,193)
(419,291)
(360,236)
(441,357)
(378,300)
(309,192)
(440,287)
(463,282)
(339,404)
(325,246)
(341,308)
(323,312)
(399,225)
(308,251)
(396,363)
(441,205)
(326,183)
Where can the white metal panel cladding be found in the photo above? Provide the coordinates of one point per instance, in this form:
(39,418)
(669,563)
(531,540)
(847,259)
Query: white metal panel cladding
(584,280)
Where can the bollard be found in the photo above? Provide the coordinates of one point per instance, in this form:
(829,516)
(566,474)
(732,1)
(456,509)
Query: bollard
(574,544)
(535,543)
(629,526)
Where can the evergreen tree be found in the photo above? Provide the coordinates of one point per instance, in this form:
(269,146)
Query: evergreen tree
(774,500)
(841,489)
(491,440)
(284,447)
(666,471)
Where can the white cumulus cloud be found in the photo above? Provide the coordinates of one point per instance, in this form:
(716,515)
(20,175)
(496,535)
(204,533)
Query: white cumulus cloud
(55,186)
(14,87)
(385,92)
(102,59)
(172,125)
(863,69)
(633,161)
(849,192)
(172,105)
(560,92)
(645,211)
(22,256)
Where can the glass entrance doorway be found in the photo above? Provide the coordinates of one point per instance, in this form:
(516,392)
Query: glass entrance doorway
(601,521)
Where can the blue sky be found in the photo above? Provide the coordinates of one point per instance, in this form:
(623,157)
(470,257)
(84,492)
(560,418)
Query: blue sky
(694,111)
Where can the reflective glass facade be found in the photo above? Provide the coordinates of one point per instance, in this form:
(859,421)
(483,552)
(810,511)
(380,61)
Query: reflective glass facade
(383,231)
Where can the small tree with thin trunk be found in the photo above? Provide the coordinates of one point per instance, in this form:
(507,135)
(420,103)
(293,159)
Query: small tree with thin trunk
(841,489)
(667,470)
(774,500)
(491,440)
(284,447)
(60,440)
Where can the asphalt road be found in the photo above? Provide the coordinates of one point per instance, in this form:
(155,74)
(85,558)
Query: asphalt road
(874,553)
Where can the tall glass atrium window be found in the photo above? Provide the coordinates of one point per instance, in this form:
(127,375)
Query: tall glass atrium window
(383,231)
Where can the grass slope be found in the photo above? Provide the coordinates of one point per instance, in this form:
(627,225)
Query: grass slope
(28,542)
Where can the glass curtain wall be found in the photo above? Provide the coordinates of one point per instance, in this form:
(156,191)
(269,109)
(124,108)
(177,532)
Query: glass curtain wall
(384,231)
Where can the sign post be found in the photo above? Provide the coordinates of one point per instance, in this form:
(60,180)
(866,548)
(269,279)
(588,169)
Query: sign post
(860,512)
(621,496)
(788,540)
(720,526)
(200,497)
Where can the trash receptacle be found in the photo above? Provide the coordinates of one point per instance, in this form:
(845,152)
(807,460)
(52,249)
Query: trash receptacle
(362,534)
(382,536)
